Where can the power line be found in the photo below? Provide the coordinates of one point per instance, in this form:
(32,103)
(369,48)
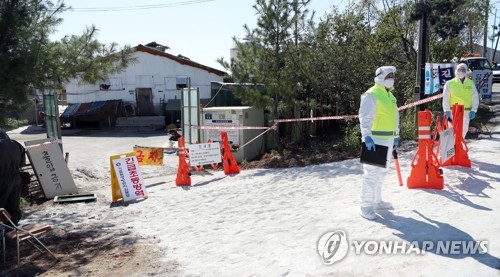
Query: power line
(141,7)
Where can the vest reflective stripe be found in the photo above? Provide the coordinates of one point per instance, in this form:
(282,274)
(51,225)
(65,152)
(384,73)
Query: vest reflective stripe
(383,133)
(384,125)
(461,93)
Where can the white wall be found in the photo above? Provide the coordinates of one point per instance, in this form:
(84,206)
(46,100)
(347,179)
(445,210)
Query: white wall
(149,71)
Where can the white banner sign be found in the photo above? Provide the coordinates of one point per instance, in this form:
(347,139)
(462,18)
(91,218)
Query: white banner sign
(204,153)
(232,135)
(447,141)
(130,179)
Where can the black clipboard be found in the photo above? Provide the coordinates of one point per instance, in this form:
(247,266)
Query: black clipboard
(375,158)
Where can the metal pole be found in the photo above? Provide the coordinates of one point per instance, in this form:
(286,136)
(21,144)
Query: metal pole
(36,112)
(419,91)
(493,36)
(416,91)
(495,51)
(485,41)
(423,57)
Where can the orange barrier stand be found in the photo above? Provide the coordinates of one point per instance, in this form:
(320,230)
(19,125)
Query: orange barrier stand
(228,161)
(425,172)
(183,175)
(461,157)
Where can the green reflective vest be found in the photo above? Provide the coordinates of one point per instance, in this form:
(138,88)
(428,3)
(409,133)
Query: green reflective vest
(461,93)
(384,125)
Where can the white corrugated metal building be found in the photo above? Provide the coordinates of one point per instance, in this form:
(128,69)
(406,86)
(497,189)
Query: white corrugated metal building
(149,83)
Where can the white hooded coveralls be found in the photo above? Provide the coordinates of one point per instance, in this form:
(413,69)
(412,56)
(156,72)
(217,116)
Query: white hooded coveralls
(374,176)
(475,101)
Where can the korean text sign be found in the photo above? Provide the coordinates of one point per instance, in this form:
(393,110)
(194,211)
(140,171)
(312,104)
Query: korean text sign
(204,153)
(149,156)
(129,178)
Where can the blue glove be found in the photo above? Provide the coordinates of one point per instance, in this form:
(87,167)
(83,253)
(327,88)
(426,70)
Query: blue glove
(369,143)
(448,114)
(396,143)
(472,115)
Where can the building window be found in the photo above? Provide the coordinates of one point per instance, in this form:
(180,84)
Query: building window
(182,82)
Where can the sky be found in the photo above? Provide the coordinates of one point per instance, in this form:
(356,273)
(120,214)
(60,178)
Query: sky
(201,30)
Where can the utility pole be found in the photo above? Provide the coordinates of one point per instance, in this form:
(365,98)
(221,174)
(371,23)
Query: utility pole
(493,36)
(421,59)
(419,91)
(485,41)
(496,46)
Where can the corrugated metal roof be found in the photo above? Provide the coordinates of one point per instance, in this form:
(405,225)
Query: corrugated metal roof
(96,105)
(90,108)
(71,109)
(83,108)
(180,60)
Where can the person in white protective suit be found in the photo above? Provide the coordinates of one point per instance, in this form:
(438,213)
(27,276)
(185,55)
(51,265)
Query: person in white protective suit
(461,90)
(379,123)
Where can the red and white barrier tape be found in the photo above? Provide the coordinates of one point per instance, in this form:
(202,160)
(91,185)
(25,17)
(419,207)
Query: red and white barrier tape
(229,127)
(336,117)
(430,99)
(270,128)
(419,102)
(317,118)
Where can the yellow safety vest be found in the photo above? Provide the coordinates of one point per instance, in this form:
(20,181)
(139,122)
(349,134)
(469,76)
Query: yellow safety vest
(461,93)
(384,125)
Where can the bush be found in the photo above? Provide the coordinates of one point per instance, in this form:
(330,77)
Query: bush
(273,153)
(407,128)
(11,123)
(352,138)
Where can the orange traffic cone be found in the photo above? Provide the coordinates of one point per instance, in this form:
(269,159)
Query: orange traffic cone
(461,157)
(228,161)
(425,171)
(183,175)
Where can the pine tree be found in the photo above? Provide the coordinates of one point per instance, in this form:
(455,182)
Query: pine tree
(264,58)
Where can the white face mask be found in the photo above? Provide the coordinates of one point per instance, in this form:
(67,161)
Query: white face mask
(389,83)
(460,74)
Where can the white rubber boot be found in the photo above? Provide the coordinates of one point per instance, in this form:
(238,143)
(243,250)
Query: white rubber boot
(368,213)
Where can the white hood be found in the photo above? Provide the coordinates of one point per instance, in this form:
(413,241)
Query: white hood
(382,72)
(462,65)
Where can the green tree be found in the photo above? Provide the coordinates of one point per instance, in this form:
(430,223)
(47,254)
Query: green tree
(266,59)
(340,65)
(447,21)
(29,60)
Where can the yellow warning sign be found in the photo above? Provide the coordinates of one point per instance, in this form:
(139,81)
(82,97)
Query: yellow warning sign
(126,180)
(149,155)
